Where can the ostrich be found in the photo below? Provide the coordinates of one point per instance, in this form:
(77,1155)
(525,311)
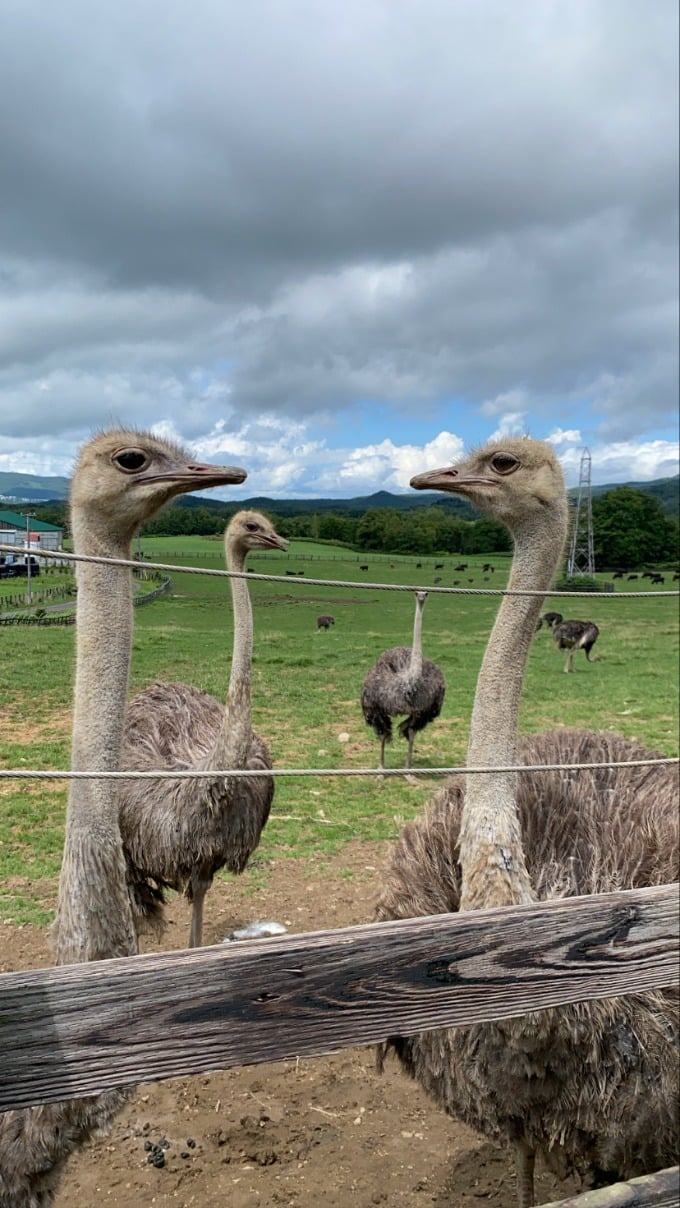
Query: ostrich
(591,1087)
(552,619)
(575,635)
(402,681)
(120,480)
(179,833)
(325,621)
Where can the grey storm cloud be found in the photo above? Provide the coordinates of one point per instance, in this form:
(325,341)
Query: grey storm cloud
(293,207)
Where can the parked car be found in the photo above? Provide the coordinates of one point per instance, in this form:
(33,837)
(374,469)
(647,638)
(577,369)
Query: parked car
(17,568)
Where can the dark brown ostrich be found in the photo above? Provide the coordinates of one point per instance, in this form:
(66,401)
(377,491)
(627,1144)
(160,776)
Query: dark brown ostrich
(402,681)
(325,621)
(575,635)
(179,833)
(591,1087)
(121,479)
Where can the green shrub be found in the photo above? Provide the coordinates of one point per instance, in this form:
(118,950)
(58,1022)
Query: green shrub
(578,583)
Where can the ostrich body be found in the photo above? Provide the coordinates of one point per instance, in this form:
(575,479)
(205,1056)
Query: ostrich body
(325,621)
(178,833)
(592,1087)
(575,635)
(402,681)
(121,479)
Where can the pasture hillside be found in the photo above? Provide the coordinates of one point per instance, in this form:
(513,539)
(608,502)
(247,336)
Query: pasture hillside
(306,688)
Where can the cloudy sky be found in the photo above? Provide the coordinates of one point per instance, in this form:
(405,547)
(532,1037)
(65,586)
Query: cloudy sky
(336,242)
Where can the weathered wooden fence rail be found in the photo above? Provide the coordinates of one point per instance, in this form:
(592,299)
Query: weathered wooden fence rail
(83,1028)
(658,1190)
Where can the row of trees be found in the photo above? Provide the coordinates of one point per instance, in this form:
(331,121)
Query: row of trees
(630,528)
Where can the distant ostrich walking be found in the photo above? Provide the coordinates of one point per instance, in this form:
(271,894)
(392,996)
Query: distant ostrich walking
(402,681)
(325,621)
(565,1082)
(575,635)
(121,479)
(179,833)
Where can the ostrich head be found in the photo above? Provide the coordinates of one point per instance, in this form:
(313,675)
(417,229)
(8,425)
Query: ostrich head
(124,476)
(517,481)
(252,530)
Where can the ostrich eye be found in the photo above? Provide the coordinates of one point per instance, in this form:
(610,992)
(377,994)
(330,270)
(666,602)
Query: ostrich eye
(131,460)
(251,527)
(504,463)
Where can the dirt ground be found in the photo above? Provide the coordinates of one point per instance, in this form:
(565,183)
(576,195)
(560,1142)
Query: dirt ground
(316,1132)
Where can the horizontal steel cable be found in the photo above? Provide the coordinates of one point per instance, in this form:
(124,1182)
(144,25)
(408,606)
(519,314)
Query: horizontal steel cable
(351,583)
(213,773)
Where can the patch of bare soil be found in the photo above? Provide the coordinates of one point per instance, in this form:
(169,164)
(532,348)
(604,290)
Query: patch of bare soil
(316,1133)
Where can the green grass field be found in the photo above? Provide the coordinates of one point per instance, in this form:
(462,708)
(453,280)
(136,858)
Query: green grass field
(306,688)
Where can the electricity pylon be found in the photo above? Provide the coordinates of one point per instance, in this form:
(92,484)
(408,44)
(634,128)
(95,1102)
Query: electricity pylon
(581,556)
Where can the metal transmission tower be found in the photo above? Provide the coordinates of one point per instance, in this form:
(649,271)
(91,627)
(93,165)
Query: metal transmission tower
(581,557)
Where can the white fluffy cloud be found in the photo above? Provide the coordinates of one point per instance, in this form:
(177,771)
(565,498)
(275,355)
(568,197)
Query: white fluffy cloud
(252,222)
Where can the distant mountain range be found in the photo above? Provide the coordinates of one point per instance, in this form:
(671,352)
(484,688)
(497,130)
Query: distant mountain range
(19,489)
(30,488)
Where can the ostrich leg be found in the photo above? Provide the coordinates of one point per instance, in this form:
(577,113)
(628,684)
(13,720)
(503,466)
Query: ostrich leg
(200,884)
(525,1157)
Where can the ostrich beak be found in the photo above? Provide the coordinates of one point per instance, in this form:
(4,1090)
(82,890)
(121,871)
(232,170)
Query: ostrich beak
(276,541)
(448,478)
(436,480)
(197,476)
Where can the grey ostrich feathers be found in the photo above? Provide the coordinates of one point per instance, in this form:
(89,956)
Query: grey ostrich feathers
(402,681)
(551,619)
(178,833)
(575,635)
(121,479)
(593,1087)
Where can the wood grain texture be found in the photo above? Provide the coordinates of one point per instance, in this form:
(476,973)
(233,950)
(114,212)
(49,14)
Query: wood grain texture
(658,1190)
(80,1029)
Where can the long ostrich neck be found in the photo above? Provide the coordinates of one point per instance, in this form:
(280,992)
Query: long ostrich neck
(233,744)
(415,666)
(93,916)
(491,853)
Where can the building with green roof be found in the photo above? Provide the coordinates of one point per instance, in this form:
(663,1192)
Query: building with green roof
(16,526)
